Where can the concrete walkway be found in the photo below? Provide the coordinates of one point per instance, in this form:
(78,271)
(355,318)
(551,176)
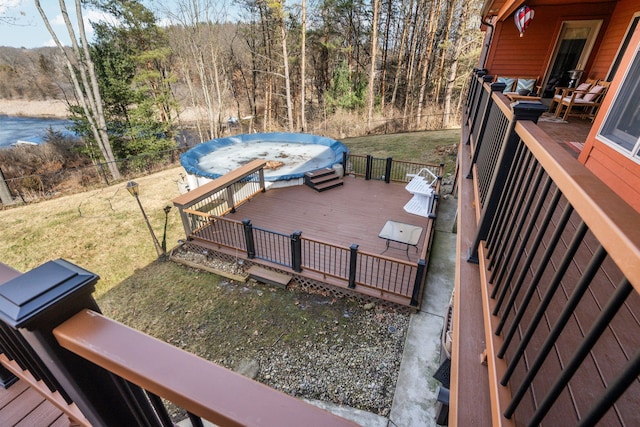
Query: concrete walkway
(414,403)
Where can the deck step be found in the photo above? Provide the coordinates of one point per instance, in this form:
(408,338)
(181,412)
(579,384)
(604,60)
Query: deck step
(319,172)
(329,185)
(323,179)
(269,277)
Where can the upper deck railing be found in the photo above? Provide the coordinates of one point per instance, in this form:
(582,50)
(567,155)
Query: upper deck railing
(103,373)
(559,265)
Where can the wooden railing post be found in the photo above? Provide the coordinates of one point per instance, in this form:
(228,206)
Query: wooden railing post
(367,173)
(521,111)
(261,180)
(248,238)
(353,259)
(296,251)
(34,304)
(345,162)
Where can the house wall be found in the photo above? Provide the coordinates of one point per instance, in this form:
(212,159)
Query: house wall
(618,171)
(613,36)
(529,55)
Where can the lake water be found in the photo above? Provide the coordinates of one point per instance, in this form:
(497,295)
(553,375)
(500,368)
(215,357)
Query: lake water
(30,129)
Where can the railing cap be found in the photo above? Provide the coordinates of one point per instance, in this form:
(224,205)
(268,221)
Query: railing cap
(30,294)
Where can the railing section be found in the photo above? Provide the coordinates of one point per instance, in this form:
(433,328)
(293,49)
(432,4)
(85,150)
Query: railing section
(559,257)
(220,196)
(118,376)
(388,169)
(495,144)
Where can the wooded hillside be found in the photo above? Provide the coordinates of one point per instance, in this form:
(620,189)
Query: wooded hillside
(339,67)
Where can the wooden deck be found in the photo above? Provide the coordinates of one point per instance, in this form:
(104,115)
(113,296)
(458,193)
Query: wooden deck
(21,405)
(576,130)
(353,213)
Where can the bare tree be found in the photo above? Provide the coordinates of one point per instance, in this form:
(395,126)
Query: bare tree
(198,50)
(277,7)
(88,93)
(372,69)
(303,59)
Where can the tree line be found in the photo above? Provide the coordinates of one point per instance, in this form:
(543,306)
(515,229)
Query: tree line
(327,66)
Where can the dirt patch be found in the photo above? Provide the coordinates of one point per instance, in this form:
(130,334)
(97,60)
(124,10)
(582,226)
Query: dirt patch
(306,345)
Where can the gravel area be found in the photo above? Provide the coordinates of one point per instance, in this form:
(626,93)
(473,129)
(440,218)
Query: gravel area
(351,358)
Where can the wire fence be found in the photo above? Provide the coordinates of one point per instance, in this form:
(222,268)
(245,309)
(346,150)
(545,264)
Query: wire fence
(41,186)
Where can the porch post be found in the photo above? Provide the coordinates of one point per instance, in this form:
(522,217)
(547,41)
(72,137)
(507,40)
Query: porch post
(296,251)
(33,305)
(521,111)
(422,270)
(353,258)
(367,172)
(261,179)
(248,238)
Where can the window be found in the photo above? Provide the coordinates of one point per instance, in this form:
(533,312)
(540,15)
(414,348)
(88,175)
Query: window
(621,127)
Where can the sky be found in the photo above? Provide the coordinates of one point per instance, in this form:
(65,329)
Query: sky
(22,26)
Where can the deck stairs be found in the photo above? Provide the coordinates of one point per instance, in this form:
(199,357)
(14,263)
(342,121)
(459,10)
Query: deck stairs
(323,179)
(269,277)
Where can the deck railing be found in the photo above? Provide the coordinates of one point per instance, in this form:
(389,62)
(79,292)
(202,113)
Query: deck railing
(347,266)
(112,375)
(372,274)
(387,169)
(559,264)
(220,196)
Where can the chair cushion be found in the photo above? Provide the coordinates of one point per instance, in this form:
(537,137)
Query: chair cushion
(567,100)
(583,87)
(508,81)
(525,84)
(593,92)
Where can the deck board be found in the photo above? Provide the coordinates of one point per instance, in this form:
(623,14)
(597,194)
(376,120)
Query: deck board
(21,405)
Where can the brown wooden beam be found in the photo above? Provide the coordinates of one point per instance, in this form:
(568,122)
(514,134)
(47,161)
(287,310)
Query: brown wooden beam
(197,385)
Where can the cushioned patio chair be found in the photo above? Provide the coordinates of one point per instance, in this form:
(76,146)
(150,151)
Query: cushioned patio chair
(562,92)
(586,102)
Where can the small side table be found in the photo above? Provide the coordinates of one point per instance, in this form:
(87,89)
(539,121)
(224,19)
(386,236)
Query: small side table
(402,233)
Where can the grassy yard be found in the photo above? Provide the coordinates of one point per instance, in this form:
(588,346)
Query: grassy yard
(433,147)
(104,232)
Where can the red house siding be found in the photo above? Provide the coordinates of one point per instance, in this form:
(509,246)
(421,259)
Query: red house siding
(618,171)
(506,55)
(616,30)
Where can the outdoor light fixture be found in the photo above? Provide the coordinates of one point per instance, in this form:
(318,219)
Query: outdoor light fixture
(134,189)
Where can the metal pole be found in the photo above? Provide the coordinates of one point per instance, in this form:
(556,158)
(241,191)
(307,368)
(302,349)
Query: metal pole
(153,236)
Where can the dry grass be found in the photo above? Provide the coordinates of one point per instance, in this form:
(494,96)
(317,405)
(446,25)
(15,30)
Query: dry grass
(100,230)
